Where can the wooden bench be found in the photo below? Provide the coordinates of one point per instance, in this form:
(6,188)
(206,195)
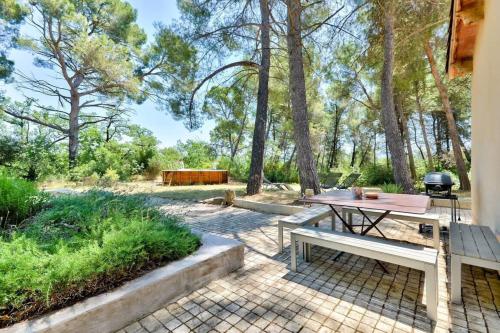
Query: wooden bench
(428,218)
(308,216)
(472,245)
(409,255)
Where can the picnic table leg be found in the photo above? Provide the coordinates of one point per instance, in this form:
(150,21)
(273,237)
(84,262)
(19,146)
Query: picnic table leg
(344,217)
(280,237)
(333,222)
(293,253)
(435,234)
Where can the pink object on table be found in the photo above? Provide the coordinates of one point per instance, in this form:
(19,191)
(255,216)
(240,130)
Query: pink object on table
(403,203)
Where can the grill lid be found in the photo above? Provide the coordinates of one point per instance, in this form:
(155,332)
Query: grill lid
(438,178)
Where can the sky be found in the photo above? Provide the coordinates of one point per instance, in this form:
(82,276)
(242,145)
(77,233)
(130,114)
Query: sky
(163,126)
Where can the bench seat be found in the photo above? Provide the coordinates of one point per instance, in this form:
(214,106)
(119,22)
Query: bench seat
(408,255)
(472,245)
(308,216)
(428,218)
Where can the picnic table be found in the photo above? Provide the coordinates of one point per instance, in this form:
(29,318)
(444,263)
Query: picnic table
(386,203)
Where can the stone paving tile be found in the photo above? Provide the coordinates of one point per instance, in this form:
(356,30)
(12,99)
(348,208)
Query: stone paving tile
(350,294)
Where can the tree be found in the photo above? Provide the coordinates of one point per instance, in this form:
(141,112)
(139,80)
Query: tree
(218,27)
(11,15)
(98,55)
(430,160)
(229,107)
(196,154)
(452,126)
(393,136)
(305,159)
(255,178)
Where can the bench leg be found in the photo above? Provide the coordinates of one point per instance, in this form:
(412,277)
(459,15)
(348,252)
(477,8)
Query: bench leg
(293,253)
(307,248)
(280,237)
(333,221)
(431,291)
(301,250)
(456,279)
(435,235)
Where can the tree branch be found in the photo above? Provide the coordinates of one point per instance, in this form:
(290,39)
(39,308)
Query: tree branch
(245,63)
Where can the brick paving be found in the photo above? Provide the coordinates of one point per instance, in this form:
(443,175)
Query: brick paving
(348,295)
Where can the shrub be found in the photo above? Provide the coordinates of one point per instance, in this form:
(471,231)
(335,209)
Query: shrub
(392,188)
(109,178)
(238,169)
(376,175)
(19,199)
(278,172)
(83,245)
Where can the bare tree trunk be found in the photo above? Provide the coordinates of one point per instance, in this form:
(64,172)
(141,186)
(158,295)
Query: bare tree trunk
(406,136)
(74,130)
(428,151)
(452,127)
(415,139)
(255,178)
(353,155)
(335,141)
(466,151)
(305,159)
(393,136)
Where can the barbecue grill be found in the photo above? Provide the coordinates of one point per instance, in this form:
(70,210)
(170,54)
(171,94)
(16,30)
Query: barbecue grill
(438,184)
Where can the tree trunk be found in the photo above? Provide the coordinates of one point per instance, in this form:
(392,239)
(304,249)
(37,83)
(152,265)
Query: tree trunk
(335,140)
(452,127)
(466,151)
(353,155)
(74,130)
(428,151)
(406,136)
(255,179)
(305,159)
(393,137)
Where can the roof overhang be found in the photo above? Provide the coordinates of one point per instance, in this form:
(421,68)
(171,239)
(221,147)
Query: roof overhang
(465,19)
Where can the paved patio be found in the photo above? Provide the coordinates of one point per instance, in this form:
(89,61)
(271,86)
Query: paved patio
(348,295)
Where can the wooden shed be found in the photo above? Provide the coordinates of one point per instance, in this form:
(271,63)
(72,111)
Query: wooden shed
(194,177)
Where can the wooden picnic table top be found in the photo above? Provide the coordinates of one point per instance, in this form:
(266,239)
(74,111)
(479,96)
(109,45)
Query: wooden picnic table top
(403,203)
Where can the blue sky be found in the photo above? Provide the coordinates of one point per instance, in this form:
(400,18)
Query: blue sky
(167,130)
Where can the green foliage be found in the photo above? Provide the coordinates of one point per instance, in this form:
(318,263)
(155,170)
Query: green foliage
(278,172)
(109,178)
(197,154)
(391,188)
(376,175)
(19,199)
(81,239)
(238,168)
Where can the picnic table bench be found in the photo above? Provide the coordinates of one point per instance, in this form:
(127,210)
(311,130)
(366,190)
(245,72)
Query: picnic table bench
(472,245)
(409,255)
(308,216)
(427,218)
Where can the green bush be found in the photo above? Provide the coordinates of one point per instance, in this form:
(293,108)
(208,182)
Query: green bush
(109,178)
(19,199)
(392,188)
(376,175)
(238,169)
(71,249)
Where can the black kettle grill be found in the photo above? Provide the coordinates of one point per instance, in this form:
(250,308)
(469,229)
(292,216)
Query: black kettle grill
(438,184)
